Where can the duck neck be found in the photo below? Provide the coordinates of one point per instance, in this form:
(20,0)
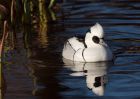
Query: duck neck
(90,44)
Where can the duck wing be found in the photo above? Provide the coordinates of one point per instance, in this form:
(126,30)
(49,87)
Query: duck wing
(75,43)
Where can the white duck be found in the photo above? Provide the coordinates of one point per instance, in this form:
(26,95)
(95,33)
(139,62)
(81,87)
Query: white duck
(96,74)
(93,49)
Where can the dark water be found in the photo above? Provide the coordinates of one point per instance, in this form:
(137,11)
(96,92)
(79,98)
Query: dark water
(47,76)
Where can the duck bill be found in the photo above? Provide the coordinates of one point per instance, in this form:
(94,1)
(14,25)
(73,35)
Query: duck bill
(102,43)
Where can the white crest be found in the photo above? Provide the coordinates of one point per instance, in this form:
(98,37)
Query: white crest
(97,30)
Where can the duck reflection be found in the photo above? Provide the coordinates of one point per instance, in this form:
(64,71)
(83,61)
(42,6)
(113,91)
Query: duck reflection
(95,73)
(96,77)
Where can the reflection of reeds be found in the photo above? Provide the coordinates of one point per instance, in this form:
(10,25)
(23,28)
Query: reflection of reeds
(42,11)
(51,3)
(3,12)
(25,14)
(12,10)
(4,36)
(43,22)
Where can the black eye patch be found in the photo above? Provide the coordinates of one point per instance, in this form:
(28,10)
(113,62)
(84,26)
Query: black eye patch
(85,71)
(97,82)
(96,39)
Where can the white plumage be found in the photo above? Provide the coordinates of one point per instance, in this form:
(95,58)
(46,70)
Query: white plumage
(93,49)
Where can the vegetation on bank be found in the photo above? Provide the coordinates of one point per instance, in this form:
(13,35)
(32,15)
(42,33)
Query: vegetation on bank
(28,14)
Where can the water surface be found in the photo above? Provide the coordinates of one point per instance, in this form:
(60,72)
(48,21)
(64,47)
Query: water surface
(53,78)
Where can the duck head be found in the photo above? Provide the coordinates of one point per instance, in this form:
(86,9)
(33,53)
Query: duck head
(95,36)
